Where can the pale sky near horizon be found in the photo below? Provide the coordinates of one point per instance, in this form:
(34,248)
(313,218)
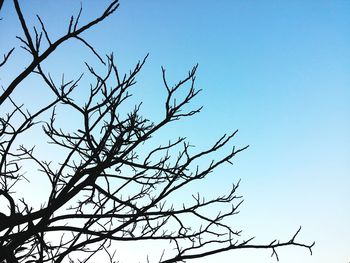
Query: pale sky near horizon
(276,70)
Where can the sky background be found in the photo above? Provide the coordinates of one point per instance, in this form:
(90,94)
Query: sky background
(276,70)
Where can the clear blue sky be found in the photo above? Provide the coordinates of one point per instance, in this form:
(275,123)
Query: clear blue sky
(277,70)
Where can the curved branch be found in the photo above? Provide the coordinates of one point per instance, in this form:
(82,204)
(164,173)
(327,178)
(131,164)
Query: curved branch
(37,59)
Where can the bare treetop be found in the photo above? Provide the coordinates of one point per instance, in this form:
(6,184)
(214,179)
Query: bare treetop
(109,187)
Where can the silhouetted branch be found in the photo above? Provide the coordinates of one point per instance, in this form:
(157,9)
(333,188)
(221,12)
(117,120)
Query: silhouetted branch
(6,57)
(38,58)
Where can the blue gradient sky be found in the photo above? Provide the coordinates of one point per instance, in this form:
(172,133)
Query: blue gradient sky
(277,70)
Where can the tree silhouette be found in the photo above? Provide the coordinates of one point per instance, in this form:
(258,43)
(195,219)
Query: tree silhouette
(112,184)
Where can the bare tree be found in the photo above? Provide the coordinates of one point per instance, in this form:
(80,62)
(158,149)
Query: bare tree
(113,184)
